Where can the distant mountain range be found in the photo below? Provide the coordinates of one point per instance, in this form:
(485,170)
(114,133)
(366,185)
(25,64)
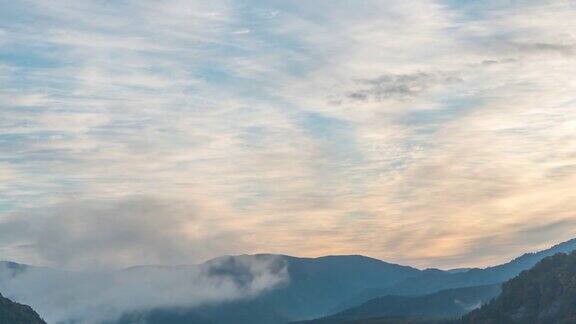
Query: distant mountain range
(317,286)
(433,280)
(450,303)
(321,286)
(334,289)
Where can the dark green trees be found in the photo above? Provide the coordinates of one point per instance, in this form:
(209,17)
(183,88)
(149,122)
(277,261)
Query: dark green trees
(544,294)
(14,313)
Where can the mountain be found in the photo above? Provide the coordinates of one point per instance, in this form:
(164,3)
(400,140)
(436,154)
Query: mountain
(164,316)
(315,289)
(443,304)
(316,286)
(543,294)
(433,280)
(230,312)
(14,313)
(12,269)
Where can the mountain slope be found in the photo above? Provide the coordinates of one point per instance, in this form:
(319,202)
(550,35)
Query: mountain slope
(14,313)
(315,287)
(318,285)
(543,294)
(433,280)
(443,304)
(230,312)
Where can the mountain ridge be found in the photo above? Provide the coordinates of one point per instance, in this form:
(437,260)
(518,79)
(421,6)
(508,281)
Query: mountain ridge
(433,280)
(442,304)
(16,313)
(543,294)
(318,286)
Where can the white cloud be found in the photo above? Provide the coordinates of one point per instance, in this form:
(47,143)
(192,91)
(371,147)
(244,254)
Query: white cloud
(167,99)
(97,297)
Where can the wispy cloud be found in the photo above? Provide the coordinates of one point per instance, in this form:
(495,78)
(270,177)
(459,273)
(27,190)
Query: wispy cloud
(410,131)
(99,297)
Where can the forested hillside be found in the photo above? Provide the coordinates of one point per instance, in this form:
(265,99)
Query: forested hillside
(543,294)
(14,313)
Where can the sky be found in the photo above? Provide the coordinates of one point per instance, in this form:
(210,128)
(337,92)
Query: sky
(422,132)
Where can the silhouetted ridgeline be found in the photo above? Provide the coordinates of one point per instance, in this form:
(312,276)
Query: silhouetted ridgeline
(14,313)
(544,294)
(434,280)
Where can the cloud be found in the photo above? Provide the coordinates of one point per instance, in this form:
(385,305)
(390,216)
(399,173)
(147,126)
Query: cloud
(95,239)
(97,297)
(93,235)
(119,234)
(464,120)
(399,87)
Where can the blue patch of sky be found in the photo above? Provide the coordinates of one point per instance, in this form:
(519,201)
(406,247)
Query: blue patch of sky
(261,21)
(336,142)
(20,143)
(430,121)
(425,124)
(474,9)
(6,205)
(31,57)
(30,67)
(212,73)
(15,12)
